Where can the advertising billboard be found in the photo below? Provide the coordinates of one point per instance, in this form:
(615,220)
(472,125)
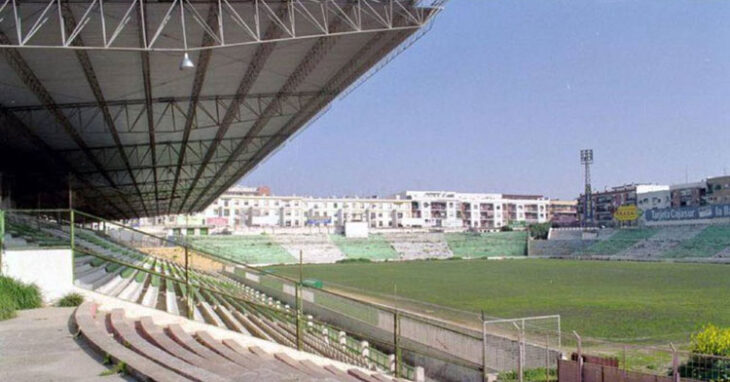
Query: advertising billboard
(688,213)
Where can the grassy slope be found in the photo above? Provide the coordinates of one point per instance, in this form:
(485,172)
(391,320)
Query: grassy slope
(619,301)
(254,249)
(375,247)
(487,244)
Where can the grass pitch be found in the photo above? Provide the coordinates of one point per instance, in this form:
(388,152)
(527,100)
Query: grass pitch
(618,301)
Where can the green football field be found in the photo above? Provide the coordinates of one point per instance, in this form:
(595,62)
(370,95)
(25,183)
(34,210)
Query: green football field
(618,301)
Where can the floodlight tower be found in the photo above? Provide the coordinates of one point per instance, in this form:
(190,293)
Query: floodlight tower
(586,159)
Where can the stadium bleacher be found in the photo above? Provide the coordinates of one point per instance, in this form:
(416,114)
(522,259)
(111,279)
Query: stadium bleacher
(488,244)
(315,247)
(150,351)
(695,242)
(619,241)
(250,249)
(216,299)
(375,247)
(419,246)
(20,234)
(712,241)
(558,247)
(665,239)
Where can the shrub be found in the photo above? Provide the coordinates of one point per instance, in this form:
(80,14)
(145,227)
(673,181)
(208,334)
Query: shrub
(16,295)
(539,231)
(356,260)
(7,307)
(712,340)
(71,299)
(26,296)
(533,375)
(506,228)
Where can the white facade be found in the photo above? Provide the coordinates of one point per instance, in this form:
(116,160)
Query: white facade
(237,211)
(443,209)
(449,209)
(654,197)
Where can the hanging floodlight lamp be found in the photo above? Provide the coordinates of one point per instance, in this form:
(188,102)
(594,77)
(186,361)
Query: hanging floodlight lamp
(186,62)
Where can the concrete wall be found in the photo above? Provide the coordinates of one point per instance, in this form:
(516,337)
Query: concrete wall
(356,229)
(50,269)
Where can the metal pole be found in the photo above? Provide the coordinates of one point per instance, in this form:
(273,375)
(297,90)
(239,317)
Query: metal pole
(396,332)
(484,348)
(579,376)
(2,233)
(298,294)
(547,357)
(675,364)
(396,341)
(72,234)
(298,297)
(188,292)
(519,353)
(301,266)
(72,229)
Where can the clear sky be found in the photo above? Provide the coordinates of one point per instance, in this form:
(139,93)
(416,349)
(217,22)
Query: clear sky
(500,96)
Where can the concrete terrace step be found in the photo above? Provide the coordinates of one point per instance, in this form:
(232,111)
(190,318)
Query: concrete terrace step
(169,353)
(124,333)
(98,338)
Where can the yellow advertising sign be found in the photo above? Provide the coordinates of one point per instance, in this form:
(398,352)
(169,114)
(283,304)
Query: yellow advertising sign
(627,213)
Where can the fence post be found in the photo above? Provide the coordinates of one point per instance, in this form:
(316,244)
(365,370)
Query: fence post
(579,377)
(365,352)
(298,298)
(2,232)
(188,291)
(72,234)
(71,231)
(396,341)
(484,349)
(520,366)
(675,364)
(547,357)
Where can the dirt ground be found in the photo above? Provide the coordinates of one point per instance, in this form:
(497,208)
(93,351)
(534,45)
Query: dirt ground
(177,255)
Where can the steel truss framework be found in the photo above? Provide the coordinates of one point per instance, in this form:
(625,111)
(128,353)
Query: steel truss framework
(238,22)
(131,157)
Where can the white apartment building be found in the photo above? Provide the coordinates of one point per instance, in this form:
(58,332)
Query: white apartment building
(240,208)
(450,209)
(649,196)
(237,211)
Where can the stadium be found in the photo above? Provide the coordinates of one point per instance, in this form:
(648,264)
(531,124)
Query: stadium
(116,111)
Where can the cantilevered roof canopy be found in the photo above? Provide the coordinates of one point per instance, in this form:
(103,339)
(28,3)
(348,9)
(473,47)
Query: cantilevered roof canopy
(92,96)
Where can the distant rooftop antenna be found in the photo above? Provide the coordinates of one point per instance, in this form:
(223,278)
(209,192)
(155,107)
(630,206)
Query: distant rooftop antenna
(586,159)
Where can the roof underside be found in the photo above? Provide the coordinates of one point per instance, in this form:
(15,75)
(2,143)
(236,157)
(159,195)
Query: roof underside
(135,136)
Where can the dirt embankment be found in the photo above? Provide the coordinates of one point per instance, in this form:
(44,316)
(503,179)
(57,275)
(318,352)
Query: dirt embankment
(177,255)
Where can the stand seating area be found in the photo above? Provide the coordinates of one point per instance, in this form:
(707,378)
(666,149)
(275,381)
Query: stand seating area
(168,353)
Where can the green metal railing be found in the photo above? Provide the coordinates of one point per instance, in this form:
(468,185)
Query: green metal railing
(78,226)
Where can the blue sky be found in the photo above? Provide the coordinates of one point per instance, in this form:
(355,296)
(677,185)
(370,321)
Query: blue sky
(500,96)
